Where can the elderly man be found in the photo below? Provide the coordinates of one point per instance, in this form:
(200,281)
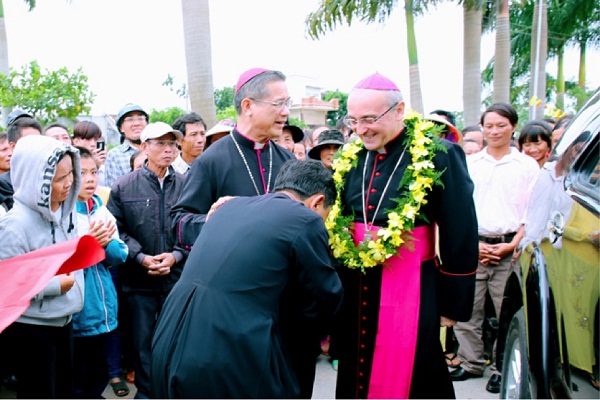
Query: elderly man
(225,313)
(245,162)
(131,121)
(398,183)
(193,128)
(140,202)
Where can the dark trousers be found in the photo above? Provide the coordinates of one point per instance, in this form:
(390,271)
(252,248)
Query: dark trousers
(44,364)
(91,369)
(143,313)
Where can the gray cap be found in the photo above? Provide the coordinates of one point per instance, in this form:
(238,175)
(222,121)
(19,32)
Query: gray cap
(15,115)
(127,108)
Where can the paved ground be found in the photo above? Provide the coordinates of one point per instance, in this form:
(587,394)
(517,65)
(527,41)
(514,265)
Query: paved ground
(325,385)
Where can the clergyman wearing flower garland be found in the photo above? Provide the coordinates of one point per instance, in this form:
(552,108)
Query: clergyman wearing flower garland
(395,184)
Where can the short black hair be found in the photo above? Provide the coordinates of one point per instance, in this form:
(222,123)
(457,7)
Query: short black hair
(306,178)
(448,114)
(86,130)
(190,118)
(14,130)
(534,131)
(504,109)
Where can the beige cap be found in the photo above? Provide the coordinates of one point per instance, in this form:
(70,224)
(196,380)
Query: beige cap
(158,129)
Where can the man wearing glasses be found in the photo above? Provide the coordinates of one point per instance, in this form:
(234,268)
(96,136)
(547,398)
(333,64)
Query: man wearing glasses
(131,121)
(244,163)
(386,336)
(141,203)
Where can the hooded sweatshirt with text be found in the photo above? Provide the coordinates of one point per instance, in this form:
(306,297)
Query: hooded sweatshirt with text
(31,225)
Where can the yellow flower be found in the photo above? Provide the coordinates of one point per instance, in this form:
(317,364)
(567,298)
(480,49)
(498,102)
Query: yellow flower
(409,211)
(419,177)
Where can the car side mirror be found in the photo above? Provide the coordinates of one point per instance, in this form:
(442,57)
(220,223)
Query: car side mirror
(556,226)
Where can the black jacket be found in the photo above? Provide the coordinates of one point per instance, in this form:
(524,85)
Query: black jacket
(142,210)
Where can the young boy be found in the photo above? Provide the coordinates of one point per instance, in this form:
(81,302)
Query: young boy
(99,313)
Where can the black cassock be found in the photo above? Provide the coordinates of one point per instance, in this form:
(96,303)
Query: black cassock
(219,333)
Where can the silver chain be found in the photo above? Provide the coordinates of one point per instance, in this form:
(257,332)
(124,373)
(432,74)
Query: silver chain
(248,166)
(368,228)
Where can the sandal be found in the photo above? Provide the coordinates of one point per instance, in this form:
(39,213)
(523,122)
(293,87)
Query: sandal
(452,361)
(120,388)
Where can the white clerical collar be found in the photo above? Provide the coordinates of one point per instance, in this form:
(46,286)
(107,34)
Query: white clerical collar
(259,146)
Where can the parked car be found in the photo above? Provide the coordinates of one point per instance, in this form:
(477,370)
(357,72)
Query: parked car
(548,328)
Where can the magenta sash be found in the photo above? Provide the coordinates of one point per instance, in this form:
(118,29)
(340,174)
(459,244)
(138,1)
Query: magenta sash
(396,342)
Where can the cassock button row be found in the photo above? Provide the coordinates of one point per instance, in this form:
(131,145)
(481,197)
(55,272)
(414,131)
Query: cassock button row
(362,346)
(364,303)
(364,332)
(264,170)
(373,190)
(377,173)
(381,157)
(361,374)
(371,206)
(360,387)
(362,360)
(364,318)
(365,288)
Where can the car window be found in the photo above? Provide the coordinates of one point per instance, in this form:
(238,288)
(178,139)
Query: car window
(583,181)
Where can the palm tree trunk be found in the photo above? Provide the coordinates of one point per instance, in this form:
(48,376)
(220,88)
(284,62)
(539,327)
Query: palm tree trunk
(560,78)
(196,28)
(581,81)
(416,96)
(502,56)
(471,65)
(539,54)
(4,66)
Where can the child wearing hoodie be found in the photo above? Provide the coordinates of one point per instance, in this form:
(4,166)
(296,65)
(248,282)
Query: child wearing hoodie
(46,178)
(99,313)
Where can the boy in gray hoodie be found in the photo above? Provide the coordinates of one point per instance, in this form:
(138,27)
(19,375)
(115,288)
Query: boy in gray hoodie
(46,177)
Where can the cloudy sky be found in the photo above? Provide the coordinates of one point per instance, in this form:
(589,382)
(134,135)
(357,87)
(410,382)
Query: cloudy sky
(128,47)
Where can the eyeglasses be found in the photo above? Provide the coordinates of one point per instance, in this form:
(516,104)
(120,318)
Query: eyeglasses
(352,123)
(138,118)
(278,104)
(164,143)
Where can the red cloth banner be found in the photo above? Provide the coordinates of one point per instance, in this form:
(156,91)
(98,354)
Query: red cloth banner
(24,276)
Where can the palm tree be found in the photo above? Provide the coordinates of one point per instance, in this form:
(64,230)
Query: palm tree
(4,65)
(196,29)
(502,54)
(472,14)
(331,12)
(539,53)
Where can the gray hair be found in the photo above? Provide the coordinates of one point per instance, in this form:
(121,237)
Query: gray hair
(256,88)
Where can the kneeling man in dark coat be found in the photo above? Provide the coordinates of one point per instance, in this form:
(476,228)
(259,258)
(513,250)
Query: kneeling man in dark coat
(219,333)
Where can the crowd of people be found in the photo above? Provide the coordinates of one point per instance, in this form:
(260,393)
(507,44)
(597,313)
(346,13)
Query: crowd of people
(235,254)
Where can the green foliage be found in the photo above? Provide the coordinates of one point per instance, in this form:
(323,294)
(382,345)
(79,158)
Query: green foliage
(334,116)
(299,123)
(227,113)
(224,98)
(168,115)
(170,82)
(330,13)
(47,95)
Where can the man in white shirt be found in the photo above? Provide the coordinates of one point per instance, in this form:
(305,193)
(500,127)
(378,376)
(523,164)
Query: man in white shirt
(504,179)
(194,139)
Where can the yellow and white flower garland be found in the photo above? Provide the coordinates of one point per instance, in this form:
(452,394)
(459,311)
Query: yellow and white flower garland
(419,177)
